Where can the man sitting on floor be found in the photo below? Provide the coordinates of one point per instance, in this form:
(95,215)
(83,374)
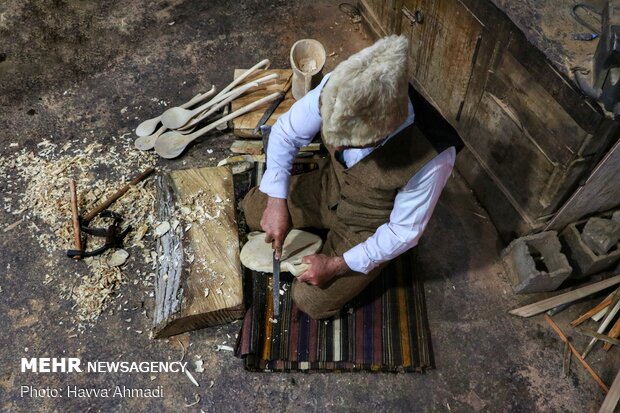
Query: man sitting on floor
(375,192)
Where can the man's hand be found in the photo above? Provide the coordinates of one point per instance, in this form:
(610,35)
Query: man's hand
(322,269)
(276,222)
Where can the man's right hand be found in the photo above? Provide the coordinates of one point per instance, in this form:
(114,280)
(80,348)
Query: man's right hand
(276,222)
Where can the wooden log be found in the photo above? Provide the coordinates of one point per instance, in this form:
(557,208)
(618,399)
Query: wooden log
(576,353)
(199,274)
(549,303)
(243,126)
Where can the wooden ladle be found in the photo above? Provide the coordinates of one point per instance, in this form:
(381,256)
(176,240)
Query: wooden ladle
(176,118)
(148,126)
(171,144)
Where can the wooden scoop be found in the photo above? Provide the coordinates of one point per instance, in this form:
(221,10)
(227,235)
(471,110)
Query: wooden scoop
(145,143)
(171,144)
(148,126)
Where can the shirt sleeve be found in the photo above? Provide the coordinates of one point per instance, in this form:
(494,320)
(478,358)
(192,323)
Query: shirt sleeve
(413,207)
(292,130)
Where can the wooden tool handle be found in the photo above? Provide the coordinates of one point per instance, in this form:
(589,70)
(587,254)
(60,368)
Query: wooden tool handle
(75,218)
(117,195)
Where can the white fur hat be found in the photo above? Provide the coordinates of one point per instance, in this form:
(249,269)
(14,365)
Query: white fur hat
(365,98)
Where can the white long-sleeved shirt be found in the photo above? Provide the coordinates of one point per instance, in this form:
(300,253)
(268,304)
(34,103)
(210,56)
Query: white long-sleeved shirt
(414,203)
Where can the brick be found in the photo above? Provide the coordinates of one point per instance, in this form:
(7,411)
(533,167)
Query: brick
(601,234)
(535,263)
(585,262)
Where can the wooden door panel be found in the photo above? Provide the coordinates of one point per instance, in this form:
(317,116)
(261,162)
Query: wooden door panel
(442,51)
(542,117)
(386,13)
(599,193)
(519,168)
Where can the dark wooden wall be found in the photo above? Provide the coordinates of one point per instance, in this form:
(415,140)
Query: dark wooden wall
(530,135)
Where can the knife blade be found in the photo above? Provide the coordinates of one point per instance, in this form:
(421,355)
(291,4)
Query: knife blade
(272,108)
(276,285)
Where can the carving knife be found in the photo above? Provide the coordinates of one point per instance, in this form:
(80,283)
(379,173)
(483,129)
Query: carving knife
(276,285)
(272,108)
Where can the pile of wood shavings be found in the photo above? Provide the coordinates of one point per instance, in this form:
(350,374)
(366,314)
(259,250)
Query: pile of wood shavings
(38,193)
(200,209)
(197,210)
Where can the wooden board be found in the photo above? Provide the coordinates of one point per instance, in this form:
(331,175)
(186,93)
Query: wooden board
(199,272)
(252,147)
(443,47)
(244,126)
(611,400)
(599,193)
(569,297)
(255,147)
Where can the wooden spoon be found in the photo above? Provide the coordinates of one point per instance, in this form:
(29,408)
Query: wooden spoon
(228,97)
(247,73)
(148,126)
(145,143)
(176,118)
(172,144)
(238,80)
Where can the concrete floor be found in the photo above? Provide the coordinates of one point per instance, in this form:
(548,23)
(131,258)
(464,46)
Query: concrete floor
(121,55)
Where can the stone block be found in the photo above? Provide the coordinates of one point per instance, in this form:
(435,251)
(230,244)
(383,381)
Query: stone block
(535,263)
(601,234)
(586,262)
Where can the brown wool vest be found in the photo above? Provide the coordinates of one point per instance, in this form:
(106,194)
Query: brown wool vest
(362,197)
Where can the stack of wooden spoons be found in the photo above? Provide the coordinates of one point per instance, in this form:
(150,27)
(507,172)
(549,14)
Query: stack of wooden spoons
(180,122)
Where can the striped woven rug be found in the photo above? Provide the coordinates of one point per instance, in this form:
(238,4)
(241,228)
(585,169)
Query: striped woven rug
(384,329)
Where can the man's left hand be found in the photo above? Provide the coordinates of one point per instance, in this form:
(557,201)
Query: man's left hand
(322,269)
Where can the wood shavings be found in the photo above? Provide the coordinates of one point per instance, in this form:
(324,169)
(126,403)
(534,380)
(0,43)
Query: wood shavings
(191,378)
(118,258)
(13,225)
(140,232)
(41,178)
(197,400)
(161,229)
(182,348)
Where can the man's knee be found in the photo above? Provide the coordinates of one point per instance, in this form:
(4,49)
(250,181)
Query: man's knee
(253,206)
(312,301)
